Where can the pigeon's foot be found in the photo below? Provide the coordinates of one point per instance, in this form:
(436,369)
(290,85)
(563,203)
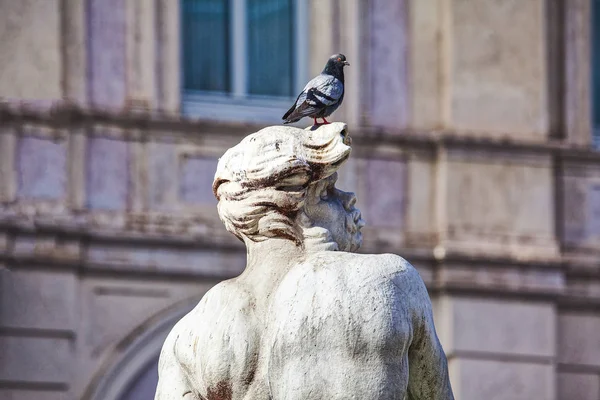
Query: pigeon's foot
(317,124)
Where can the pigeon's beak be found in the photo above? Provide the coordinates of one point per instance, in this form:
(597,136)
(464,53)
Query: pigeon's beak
(346,63)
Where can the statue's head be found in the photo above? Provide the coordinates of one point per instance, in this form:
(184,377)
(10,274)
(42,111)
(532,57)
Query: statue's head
(280,183)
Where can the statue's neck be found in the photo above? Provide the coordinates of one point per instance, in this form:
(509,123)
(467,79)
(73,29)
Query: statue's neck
(269,261)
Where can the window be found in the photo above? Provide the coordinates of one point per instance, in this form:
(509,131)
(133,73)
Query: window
(596,71)
(243,59)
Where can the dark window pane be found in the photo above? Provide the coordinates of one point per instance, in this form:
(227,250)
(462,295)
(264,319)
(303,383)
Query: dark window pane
(596,69)
(205,30)
(270,47)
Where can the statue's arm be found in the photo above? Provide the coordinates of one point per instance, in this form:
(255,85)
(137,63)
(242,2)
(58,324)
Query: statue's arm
(172,383)
(428,366)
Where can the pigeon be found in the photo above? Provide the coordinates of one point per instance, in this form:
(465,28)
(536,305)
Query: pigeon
(322,95)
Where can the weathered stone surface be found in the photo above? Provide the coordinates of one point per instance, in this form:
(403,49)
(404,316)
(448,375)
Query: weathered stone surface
(500,380)
(36,299)
(8,178)
(420,193)
(141,45)
(30,54)
(350,37)
(27,359)
(108,174)
(322,35)
(42,168)
(584,287)
(493,326)
(514,279)
(593,211)
(573,386)
(385,208)
(486,91)
(575,216)
(579,34)
(578,339)
(501,201)
(126,306)
(74,42)
(49,247)
(520,188)
(425,64)
(306,316)
(581,206)
(195,179)
(107,50)
(169,260)
(169,69)
(163,168)
(352,177)
(389,85)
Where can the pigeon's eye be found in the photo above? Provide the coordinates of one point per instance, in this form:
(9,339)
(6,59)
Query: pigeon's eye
(339,59)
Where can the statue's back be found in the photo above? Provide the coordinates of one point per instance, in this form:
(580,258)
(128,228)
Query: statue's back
(343,323)
(338,323)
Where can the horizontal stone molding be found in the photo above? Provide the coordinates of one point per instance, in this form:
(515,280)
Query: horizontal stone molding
(578,368)
(38,333)
(93,251)
(20,386)
(502,357)
(64,114)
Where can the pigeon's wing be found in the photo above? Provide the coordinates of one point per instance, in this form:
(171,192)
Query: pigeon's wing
(321,92)
(326,89)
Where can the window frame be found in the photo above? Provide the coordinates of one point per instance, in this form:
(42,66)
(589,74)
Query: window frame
(238,105)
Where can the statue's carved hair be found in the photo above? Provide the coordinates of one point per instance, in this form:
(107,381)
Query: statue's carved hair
(261,183)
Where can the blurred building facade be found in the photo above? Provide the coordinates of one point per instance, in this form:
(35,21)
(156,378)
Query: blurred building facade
(477,117)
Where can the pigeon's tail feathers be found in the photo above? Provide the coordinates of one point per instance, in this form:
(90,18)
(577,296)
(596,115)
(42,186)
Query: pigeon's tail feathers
(306,109)
(292,117)
(289,112)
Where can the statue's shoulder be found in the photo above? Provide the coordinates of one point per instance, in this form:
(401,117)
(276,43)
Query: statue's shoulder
(343,271)
(224,315)
(205,317)
(365,265)
(230,294)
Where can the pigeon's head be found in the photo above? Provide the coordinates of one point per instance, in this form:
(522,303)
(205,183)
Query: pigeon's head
(339,59)
(336,64)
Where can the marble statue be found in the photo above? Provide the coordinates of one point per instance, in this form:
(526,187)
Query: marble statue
(308,318)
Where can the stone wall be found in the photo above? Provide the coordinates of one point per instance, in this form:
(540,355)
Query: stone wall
(475,119)
(112,54)
(103,226)
(109,219)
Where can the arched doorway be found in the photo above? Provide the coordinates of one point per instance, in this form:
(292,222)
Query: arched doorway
(132,373)
(144,385)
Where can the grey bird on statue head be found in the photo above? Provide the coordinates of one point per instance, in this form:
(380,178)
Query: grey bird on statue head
(322,95)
